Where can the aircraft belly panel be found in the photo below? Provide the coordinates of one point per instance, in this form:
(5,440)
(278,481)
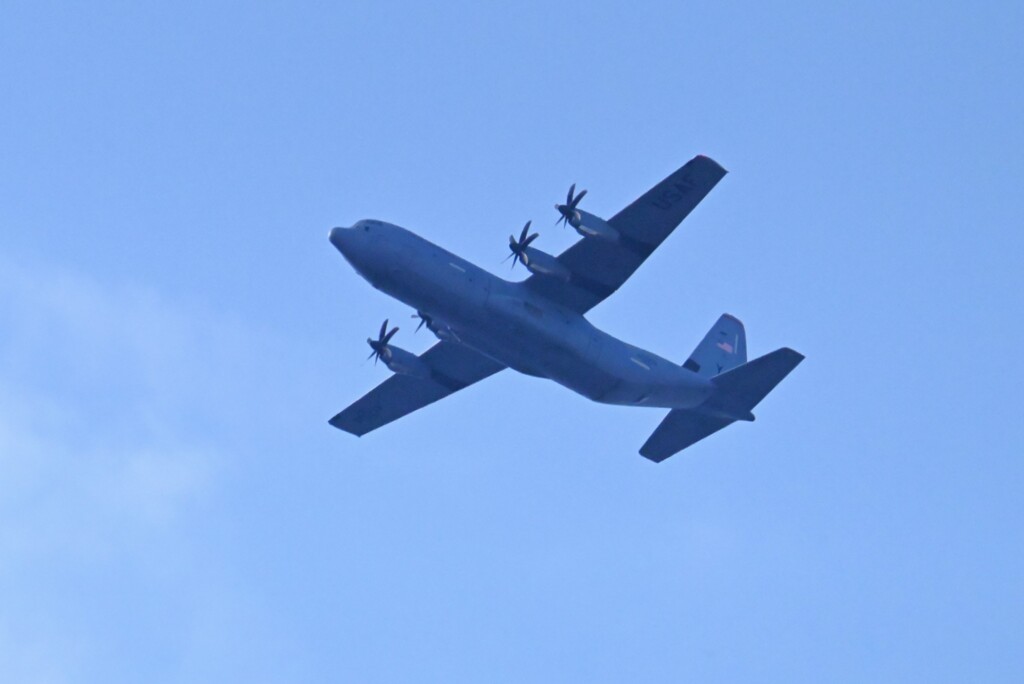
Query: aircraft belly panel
(444,287)
(545,342)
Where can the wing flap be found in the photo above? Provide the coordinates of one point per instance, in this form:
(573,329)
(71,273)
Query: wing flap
(453,367)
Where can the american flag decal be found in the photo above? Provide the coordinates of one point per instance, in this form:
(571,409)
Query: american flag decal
(725,346)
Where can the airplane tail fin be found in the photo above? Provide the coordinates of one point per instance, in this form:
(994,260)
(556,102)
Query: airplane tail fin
(737,391)
(722,349)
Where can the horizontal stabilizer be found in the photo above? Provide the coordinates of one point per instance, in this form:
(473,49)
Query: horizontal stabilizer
(680,429)
(737,391)
(743,387)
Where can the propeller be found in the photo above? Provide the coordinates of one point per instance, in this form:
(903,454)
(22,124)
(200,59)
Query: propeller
(380,345)
(424,319)
(518,247)
(568,210)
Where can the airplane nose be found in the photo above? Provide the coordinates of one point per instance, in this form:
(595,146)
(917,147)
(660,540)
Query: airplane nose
(339,238)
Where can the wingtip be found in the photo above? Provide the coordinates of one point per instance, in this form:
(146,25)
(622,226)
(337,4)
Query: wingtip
(708,160)
(797,356)
(336,422)
(653,457)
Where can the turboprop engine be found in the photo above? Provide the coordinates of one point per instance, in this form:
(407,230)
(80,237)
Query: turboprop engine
(535,260)
(442,330)
(583,222)
(395,358)
(405,363)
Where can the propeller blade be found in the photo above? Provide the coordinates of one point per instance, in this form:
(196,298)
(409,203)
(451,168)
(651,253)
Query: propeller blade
(576,201)
(568,210)
(375,354)
(518,247)
(380,345)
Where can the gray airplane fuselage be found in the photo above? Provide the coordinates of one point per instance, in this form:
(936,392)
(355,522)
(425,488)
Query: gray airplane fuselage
(512,324)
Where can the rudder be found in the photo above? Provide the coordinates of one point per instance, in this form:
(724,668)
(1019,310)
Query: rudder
(722,349)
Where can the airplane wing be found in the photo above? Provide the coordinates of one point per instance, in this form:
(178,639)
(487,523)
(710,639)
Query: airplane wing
(598,267)
(453,367)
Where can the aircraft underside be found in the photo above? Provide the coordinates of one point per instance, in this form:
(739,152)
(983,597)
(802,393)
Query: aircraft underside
(538,327)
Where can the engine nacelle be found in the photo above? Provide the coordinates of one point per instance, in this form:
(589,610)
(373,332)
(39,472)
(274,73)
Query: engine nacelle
(404,363)
(544,264)
(442,330)
(588,225)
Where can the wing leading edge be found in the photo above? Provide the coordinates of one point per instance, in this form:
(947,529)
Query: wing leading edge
(598,268)
(453,367)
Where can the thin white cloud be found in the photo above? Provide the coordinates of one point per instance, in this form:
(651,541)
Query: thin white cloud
(101,465)
(93,380)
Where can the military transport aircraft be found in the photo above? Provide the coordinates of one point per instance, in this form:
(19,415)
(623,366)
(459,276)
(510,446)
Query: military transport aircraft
(538,326)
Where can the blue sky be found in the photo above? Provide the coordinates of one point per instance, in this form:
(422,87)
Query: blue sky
(175,330)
